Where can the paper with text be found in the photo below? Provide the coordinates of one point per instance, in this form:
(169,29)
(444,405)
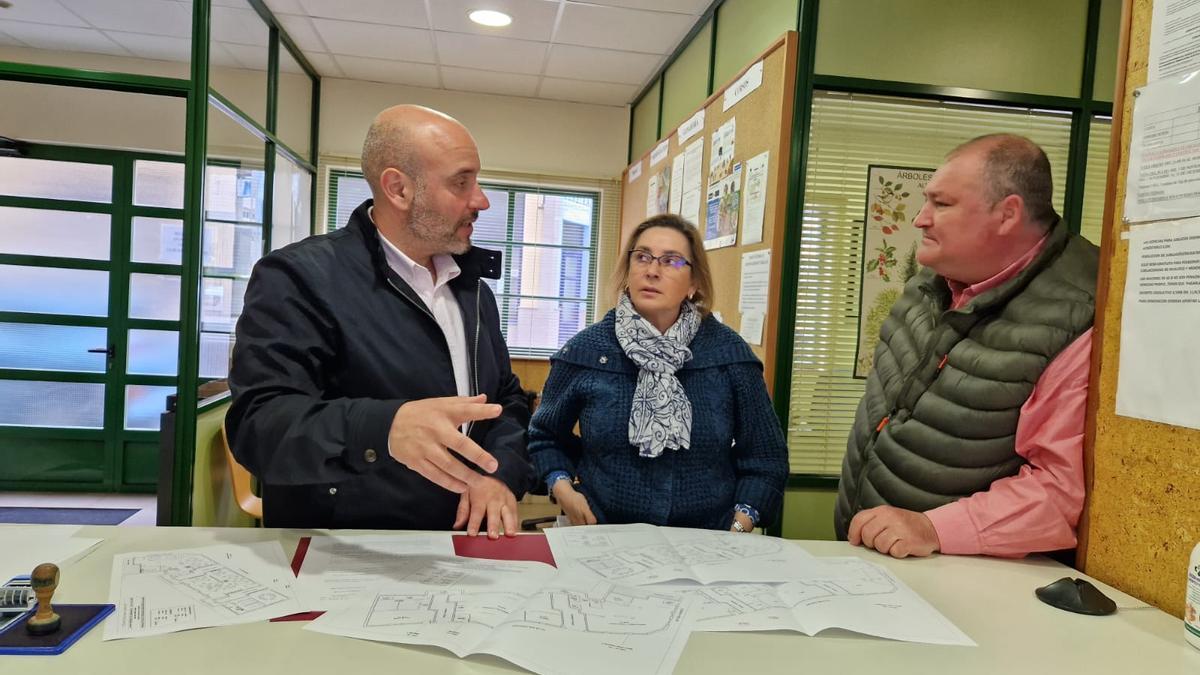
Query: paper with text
(159,592)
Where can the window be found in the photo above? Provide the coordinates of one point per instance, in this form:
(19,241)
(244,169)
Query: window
(1091,221)
(848,133)
(549,238)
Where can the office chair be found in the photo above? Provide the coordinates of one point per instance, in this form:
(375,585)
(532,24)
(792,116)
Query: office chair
(242,481)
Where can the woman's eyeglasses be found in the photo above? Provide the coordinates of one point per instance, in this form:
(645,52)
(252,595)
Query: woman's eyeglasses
(642,259)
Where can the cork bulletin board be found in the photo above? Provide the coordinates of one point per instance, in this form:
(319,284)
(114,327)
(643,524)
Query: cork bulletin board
(764,121)
(1142,515)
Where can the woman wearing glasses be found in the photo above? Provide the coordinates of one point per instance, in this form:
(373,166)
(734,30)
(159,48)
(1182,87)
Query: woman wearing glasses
(675,426)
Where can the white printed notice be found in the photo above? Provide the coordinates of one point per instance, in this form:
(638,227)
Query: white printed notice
(159,592)
(692,190)
(676,193)
(1164,151)
(756,282)
(635,171)
(752,328)
(1159,375)
(1174,38)
(754,198)
(693,126)
(659,153)
(744,86)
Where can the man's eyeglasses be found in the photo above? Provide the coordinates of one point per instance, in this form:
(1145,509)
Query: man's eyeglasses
(642,259)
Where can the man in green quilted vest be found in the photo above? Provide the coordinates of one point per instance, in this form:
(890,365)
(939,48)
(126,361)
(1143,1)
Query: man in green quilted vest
(969,439)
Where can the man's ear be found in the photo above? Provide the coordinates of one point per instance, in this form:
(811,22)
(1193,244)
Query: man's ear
(397,188)
(1011,210)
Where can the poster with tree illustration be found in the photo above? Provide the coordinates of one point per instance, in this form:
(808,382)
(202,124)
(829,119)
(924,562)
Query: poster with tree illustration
(889,260)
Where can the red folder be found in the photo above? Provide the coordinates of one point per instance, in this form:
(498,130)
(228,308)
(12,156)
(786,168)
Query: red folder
(533,547)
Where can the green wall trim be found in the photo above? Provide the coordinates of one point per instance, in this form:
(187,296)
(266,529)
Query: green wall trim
(687,40)
(189,294)
(1081,125)
(93,79)
(686,81)
(806,22)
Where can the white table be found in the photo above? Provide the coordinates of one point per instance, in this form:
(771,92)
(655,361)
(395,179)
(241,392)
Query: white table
(991,600)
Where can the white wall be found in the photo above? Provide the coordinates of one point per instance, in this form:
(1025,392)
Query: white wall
(513,133)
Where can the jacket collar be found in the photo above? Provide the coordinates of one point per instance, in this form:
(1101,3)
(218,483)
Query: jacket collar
(963,318)
(596,347)
(476,263)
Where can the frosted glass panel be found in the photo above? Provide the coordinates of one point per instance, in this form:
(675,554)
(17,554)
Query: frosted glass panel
(232,193)
(154,296)
(214,354)
(217,303)
(158,184)
(231,249)
(291,213)
(65,234)
(157,240)
(51,179)
(47,290)
(32,346)
(74,405)
(144,404)
(153,352)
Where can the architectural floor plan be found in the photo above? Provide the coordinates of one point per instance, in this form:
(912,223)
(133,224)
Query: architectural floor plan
(165,591)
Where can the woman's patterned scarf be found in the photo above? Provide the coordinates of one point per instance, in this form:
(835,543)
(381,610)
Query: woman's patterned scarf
(661,416)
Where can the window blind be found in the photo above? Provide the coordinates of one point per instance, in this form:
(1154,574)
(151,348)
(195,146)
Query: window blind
(1091,221)
(554,234)
(848,133)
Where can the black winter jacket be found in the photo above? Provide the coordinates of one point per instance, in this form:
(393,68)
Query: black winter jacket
(330,343)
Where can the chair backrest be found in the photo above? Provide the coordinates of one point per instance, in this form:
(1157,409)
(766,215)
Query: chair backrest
(241,479)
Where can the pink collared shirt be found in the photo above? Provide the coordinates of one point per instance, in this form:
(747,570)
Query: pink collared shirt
(1039,507)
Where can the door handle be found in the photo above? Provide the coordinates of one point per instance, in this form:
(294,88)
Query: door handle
(111,350)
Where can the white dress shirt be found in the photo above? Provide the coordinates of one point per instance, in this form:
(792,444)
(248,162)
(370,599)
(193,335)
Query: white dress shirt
(441,302)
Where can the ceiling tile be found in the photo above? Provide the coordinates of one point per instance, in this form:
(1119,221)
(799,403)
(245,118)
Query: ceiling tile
(483,81)
(239,26)
(251,57)
(396,72)
(161,47)
(694,7)
(9,41)
(380,42)
(587,92)
(65,38)
(532,19)
(156,17)
(490,53)
(632,30)
(588,63)
(41,11)
(324,64)
(278,7)
(219,56)
(391,12)
(300,29)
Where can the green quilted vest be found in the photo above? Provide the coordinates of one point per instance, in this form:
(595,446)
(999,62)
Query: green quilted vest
(939,418)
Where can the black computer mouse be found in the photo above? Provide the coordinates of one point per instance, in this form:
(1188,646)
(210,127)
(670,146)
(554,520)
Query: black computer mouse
(1076,595)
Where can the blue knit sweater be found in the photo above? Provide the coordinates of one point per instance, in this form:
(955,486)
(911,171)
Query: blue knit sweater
(737,453)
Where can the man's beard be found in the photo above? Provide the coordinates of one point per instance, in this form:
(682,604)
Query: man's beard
(435,231)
